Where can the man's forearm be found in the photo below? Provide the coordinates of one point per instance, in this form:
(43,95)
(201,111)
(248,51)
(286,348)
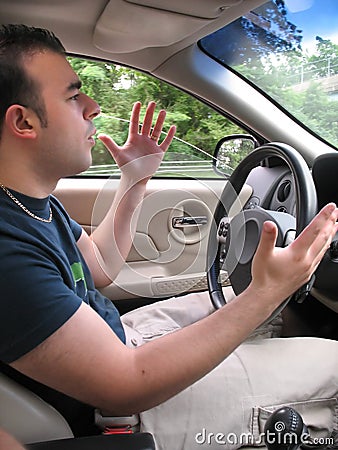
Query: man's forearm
(139,158)
(7,442)
(113,238)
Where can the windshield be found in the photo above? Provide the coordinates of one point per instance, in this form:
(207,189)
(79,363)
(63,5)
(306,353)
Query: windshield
(289,49)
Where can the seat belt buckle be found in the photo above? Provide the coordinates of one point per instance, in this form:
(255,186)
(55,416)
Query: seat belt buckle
(118,430)
(117,424)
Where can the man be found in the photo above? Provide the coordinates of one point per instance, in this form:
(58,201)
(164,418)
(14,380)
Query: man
(57,330)
(7,442)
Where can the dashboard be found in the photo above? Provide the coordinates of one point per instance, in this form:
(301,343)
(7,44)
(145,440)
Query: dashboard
(273,189)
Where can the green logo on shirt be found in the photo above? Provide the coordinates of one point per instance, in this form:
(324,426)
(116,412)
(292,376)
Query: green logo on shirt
(78,275)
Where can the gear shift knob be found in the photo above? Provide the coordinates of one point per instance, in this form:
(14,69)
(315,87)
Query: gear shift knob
(284,430)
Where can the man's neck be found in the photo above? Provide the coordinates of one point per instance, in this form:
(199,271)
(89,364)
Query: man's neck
(27,184)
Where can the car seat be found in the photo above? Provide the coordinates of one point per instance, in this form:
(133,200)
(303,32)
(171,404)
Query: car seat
(41,427)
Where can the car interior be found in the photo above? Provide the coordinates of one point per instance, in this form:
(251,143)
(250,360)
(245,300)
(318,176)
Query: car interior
(182,241)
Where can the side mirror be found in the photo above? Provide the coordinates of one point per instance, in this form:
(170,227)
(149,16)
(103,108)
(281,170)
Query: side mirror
(230,150)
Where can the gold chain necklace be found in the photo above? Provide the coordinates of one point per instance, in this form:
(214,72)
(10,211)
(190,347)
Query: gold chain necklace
(23,207)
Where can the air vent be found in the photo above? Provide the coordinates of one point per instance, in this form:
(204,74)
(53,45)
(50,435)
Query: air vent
(284,191)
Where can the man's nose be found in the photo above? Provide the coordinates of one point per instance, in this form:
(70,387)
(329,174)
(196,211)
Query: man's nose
(92,109)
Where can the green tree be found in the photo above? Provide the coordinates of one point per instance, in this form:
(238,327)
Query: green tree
(325,62)
(116,88)
(257,34)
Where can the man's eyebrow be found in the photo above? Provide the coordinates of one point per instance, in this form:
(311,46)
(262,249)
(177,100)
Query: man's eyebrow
(74,85)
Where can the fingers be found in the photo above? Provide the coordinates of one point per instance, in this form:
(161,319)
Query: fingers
(169,137)
(147,128)
(135,118)
(109,143)
(139,142)
(317,236)
(324,237)
(267,241)
(156,133)
(148,120)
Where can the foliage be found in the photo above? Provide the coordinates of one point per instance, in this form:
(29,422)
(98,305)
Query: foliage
(266,48)
(116,88)
(259,33)
(295,80)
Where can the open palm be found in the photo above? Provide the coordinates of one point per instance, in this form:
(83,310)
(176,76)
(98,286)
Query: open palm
(141,155)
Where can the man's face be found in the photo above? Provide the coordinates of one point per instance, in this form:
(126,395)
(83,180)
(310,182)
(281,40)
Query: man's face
(64,146)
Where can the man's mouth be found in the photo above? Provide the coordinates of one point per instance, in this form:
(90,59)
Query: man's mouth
(91,137)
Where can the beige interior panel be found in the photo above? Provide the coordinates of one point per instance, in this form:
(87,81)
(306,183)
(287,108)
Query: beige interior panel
(175,21)
(35,420)
(118,26)
(209,10)
(95,28)
(164,260)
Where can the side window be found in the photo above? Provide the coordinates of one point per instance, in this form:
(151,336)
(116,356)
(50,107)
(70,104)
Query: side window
(116,88)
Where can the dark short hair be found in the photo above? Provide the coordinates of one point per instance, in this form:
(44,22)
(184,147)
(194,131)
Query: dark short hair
(16,86)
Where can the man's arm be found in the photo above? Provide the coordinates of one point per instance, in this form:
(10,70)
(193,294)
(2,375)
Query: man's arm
(105,251)
(7,442)
(122,380)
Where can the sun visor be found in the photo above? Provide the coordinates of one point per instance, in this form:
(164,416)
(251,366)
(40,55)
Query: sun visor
(127,26)
(210,9)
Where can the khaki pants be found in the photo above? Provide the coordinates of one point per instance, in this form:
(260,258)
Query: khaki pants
(229,406)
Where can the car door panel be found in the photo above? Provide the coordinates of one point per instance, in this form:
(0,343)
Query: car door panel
(168,255)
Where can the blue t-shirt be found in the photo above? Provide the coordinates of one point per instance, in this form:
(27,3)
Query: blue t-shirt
(43,276)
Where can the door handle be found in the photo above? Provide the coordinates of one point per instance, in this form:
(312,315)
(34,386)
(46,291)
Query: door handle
(188,221)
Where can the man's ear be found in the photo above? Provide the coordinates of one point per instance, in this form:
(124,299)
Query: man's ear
(22,122)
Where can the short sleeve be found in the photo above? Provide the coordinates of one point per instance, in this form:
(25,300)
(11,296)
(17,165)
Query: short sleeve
(76,229)
(35,300)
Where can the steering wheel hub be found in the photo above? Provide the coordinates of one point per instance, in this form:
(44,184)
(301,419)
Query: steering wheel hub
(243,237)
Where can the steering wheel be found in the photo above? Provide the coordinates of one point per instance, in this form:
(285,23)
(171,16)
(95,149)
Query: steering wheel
(233,240)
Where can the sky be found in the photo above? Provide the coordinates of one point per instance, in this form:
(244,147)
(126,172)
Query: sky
(315,18)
